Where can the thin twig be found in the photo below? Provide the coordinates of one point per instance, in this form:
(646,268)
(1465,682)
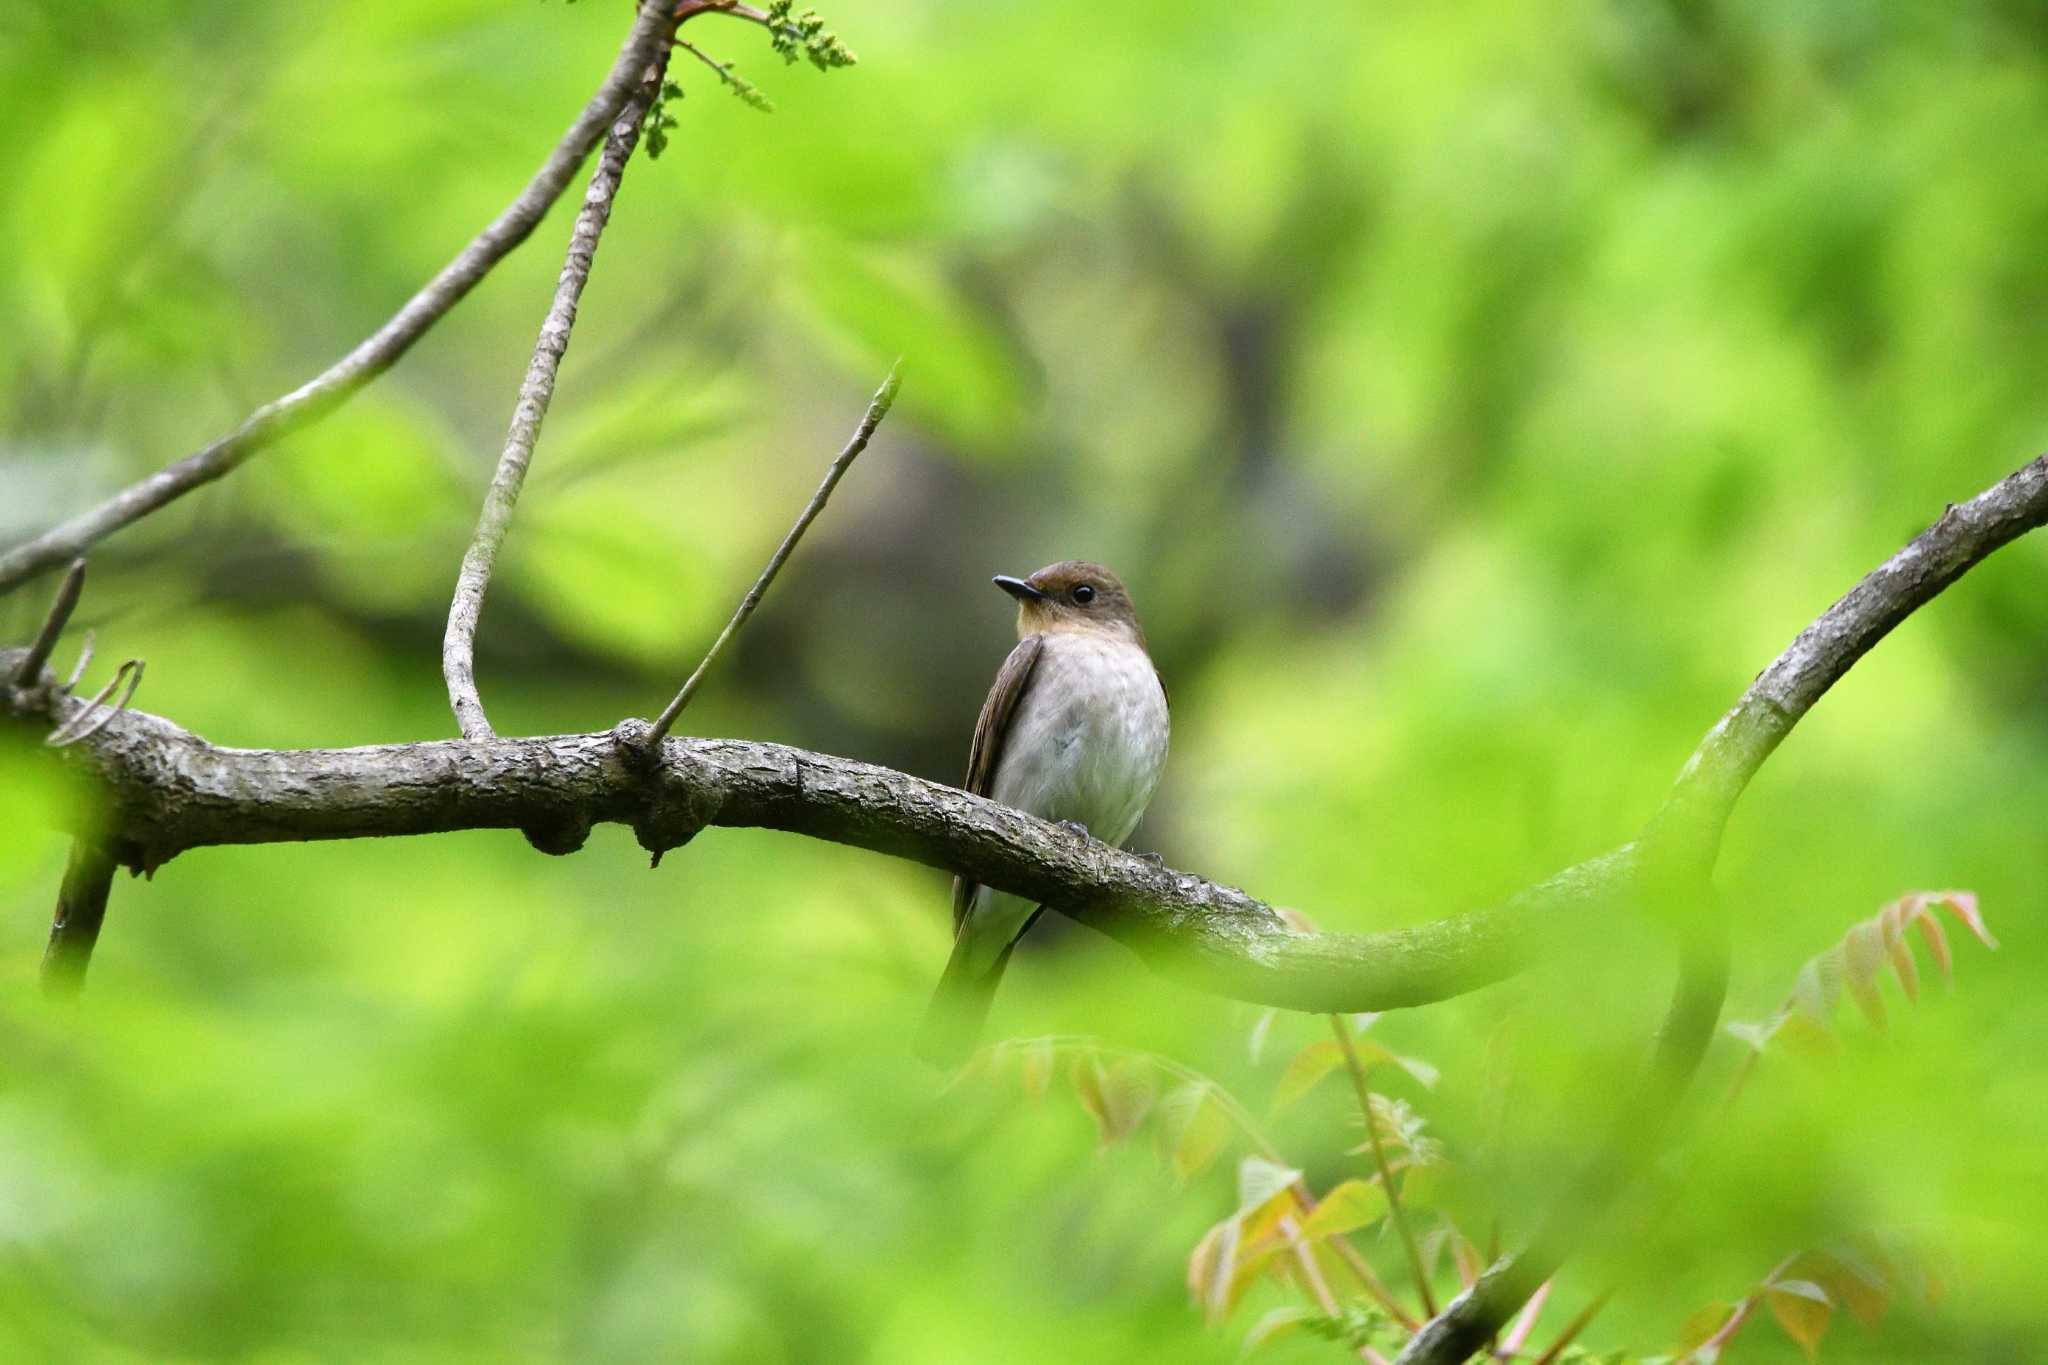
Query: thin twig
(70,732)
(1318,1287)
(1379,1158)
(1574,1327)
(53,626)
(1727,1331)
(81,908)
(878,408)
(458,642)
(376,353)
(84,659)
(1525,1324)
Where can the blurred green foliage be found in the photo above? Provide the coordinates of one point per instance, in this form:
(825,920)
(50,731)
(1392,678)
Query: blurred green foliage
(1474,396)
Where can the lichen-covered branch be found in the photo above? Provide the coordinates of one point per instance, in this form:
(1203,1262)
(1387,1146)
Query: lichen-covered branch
(376,353)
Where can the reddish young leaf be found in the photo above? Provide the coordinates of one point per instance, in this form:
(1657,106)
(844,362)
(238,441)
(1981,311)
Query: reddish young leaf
(1863,958)
(1963,905)
(1819,984)
(1903,965)
(1937,941)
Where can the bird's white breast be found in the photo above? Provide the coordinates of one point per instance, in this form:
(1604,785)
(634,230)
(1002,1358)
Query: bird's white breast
(1088,739)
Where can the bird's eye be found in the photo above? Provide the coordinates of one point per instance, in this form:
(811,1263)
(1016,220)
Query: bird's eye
(1083,594)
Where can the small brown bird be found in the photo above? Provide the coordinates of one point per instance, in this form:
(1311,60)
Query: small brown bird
(1074,731)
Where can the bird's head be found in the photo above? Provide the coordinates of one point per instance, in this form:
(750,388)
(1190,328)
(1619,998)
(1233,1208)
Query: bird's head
(1072,595)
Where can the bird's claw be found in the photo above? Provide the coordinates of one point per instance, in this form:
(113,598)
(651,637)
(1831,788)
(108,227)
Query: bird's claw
(1075,827)
(1153,858)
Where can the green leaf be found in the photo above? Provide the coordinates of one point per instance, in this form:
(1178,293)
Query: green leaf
(1036,1063)
(1352,1205)
(1193,1128)
(1306,1071)
(1701,1324)
(1276,1324)
(1258,1180)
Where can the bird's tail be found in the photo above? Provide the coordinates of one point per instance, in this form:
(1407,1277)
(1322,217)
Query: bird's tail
(953,1019)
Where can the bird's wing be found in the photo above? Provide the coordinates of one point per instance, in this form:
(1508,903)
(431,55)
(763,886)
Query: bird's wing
(990,730)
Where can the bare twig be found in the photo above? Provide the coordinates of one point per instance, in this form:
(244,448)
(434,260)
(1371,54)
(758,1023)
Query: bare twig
(878,408)
(1578,1324)
(1525,1322)
(84,661)
(376,353)
(77,729)
(53,625)
(1395,1212)
(458,642)
(81,908)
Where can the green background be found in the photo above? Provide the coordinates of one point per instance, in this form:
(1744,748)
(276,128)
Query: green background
(1474,396)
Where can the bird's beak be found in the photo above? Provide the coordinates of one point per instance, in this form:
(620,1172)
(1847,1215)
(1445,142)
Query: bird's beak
(1018,588)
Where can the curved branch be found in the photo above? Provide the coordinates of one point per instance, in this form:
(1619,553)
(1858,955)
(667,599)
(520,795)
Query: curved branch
(1705,792)
(458,642)
(1679,847)
(168,790)
(378,352)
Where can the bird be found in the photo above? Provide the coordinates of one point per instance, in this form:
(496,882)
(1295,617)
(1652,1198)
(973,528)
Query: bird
(1074,731)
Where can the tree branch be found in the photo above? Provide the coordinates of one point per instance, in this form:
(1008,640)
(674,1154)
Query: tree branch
(1680,845)
(375,354)
(61,607)
(167,790)
(878,408)
(81,908)
(458,642)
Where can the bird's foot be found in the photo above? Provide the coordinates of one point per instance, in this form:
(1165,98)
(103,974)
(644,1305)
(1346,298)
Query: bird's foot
(1154,859)
(1076,827)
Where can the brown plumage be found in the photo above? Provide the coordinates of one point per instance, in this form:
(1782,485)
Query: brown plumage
(1074,729)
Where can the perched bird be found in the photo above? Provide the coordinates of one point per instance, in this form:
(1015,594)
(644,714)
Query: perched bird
(1074,731)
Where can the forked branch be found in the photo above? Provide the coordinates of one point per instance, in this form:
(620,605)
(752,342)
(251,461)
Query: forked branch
(536,391)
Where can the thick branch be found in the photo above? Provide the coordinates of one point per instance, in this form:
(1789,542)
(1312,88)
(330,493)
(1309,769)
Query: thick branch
(169,791)
(377,353)
(458,643)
